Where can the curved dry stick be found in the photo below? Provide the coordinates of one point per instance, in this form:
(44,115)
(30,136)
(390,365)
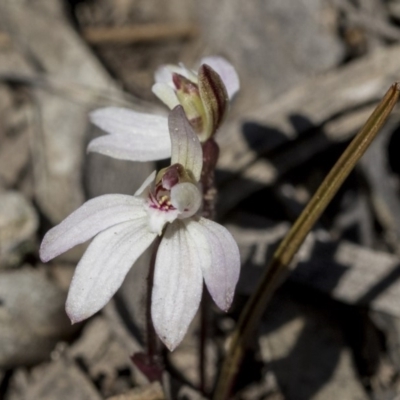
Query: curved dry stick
(279,264)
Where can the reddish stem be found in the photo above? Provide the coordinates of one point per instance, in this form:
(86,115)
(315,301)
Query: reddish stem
(152,340)
(149,363)
(210,158)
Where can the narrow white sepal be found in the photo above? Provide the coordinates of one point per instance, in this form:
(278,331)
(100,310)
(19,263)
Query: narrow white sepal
(131,148)
(164,73)
(134,136)
(178,284)
(166,94)
(222,273)
(186,198)
(123,121)
(88,220)
(226,71)
(103,267)
(186,147)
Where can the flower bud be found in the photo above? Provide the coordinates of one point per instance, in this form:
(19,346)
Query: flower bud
(205,103)
(203,96)
(214,97)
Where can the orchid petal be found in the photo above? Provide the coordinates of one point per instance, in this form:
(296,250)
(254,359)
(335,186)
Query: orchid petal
(104,266)
(164,73)
(186,147)
(88,220)
(222,273)
(133,147)
(226,71)
(178,284)
(135,136)
(166,94)
(186,198)
(123,121)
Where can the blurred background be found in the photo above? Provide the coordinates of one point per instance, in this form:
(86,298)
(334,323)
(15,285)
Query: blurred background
(311,73)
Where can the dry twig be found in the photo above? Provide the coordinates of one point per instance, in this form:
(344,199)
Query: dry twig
(129,34)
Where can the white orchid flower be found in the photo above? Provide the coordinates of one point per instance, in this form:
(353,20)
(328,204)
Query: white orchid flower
(144,137)
(123,227)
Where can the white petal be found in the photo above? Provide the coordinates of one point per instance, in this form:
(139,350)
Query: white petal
(166,94)
(186,147)
(222,273)
(133,147)
(178,284)
(186,198)
(123,121)
(104,266)
(135,136)
(188,73)
(164,73)
(146,184)
(88,220)
(226,71)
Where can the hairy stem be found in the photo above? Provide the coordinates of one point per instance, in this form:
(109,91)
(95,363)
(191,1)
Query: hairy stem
(255,306)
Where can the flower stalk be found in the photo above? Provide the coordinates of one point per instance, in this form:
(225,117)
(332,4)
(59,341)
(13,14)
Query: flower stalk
(282,257)
(152,341)
(204,323)
(210,158)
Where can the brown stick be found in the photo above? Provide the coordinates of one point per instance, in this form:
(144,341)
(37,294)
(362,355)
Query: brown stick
(139,33)
(129,34)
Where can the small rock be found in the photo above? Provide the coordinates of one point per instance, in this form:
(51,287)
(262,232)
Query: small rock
(18,224)
(32,317)
(61,380)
